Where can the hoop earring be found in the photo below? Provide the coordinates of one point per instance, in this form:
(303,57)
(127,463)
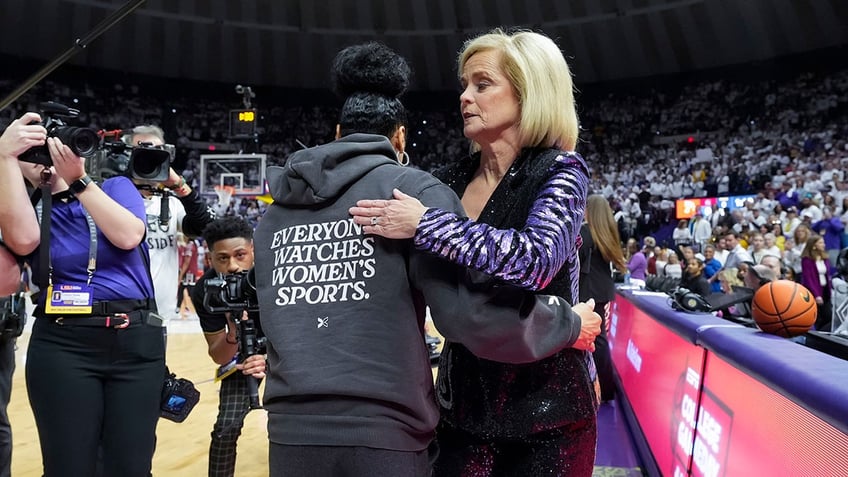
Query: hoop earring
(403,158)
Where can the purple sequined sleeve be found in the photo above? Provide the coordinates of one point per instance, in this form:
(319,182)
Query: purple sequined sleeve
(529,257)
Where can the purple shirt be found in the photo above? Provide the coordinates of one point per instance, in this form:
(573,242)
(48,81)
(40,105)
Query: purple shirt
(638,265)
(119,274)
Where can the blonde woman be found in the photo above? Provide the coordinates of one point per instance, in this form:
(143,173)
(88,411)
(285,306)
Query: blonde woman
(792,254)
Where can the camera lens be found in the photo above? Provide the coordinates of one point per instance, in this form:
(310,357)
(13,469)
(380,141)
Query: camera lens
(151,164)
(82,141)
(146,168)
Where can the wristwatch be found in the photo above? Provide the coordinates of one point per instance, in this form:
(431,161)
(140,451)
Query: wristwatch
(80,184)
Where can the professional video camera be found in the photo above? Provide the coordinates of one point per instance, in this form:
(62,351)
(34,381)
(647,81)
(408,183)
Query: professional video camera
(84,142)
(144,162)
(232,292)
(236,293)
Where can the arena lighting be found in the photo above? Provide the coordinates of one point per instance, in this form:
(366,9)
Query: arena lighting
(690,139)
(211,147)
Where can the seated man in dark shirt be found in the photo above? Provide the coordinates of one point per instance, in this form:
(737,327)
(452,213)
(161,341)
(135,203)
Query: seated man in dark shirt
(693,277)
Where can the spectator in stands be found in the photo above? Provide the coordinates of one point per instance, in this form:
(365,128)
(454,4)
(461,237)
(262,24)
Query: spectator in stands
(711,268)
(737,253)
(721,252)
(685,252)
(816,272)
(652,261)
(774,263)
(790,221)
(660,261)
(702,232)
(795,248)
(757,248)
(772,244)
(693,277)
(681,234)
(638,263)
(830,228)
(673,268)
(729,278)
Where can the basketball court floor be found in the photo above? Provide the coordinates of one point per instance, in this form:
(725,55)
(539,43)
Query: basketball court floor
(181,449)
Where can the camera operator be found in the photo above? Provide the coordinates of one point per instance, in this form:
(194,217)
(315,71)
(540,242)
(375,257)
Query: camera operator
(96,357)
(186,213)
(230,248)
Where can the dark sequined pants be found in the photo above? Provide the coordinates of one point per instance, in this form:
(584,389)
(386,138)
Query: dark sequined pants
(567,451)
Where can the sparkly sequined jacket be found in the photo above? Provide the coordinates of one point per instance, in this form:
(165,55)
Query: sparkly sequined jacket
(544,190)
(342,311)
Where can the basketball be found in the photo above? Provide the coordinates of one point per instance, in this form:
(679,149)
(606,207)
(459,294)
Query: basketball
(784,308)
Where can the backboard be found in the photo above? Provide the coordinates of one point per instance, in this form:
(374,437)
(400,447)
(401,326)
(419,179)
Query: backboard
(245,173)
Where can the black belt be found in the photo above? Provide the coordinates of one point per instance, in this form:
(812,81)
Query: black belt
(121,306)
(110,314)
(118,320)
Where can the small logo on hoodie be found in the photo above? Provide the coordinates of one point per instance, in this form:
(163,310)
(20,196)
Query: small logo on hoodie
(324,322)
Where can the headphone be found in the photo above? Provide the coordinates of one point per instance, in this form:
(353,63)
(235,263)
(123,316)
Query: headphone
(686,300)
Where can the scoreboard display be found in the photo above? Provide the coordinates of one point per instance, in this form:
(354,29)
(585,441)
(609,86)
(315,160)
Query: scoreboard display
(243,123)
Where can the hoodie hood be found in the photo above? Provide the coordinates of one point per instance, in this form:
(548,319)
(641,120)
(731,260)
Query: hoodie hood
(318,174)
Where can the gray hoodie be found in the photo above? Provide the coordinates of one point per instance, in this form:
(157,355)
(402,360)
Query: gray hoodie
(343,312)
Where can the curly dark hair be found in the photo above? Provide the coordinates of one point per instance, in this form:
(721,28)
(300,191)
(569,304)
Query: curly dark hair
(370,77)
(227,228)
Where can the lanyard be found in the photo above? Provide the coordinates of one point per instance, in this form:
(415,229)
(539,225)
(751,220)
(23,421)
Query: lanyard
(44,251)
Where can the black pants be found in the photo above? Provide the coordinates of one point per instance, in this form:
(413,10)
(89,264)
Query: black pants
(603,360)
(7,368)
(341,461)
(233,406)
(91,387)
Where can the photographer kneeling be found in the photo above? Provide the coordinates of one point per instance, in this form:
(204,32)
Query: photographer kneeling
(230,246)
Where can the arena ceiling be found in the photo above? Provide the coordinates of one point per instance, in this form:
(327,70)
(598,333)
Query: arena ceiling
(292,42)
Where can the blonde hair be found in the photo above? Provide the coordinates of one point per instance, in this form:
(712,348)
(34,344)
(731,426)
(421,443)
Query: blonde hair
(731,276)
(604,230)
(541,79)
